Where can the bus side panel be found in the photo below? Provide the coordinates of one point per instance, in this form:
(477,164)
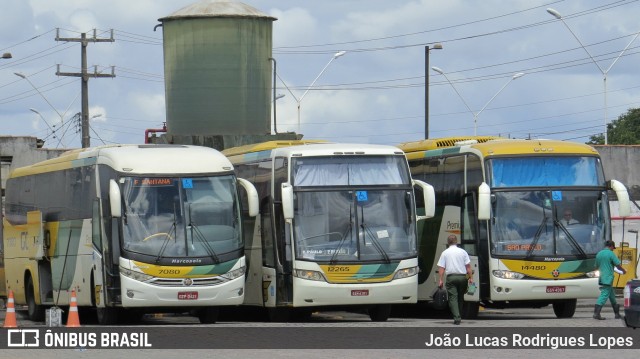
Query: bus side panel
(269,286)
(18,252)
(254,292)
(71,261)
(449,224)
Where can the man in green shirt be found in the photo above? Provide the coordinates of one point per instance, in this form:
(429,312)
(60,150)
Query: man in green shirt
(606,260)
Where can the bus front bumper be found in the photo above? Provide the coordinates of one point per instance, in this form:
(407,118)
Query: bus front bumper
(139,294)
(308,293)
(516,289)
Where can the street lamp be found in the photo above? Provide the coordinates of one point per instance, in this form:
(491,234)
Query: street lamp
(335,56)
(475,115)
(7,55)
(41,95)
(45,121)
(436,46)
(53,130)
(557,15)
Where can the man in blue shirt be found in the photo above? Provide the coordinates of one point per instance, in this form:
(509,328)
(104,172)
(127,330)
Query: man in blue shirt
(606,260)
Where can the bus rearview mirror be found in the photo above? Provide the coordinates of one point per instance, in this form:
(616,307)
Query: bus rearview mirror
(287,201)
(429,195)
(484,202)
(115,200)
(623,198)
(252,196)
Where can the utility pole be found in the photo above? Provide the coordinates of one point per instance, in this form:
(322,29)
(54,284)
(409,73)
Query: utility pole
(84,75)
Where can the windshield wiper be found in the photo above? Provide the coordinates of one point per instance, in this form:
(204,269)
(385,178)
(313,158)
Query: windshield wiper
(201,237)
(571,239)
(536,237)
(172,229)
(374,240)
(347,231)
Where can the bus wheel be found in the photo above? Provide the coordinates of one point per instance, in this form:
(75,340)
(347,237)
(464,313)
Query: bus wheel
(208,315)
(470,310)
(380,313)
(107,315)
(36,312)
(565,308)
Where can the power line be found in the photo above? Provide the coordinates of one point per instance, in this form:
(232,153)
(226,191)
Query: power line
(535,24)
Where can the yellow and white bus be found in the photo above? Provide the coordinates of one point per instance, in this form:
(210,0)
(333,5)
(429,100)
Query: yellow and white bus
(130,228)
(337,227)
(509,202)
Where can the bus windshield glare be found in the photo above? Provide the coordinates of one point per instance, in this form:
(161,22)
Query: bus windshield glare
(181,217)
(548,223)
(351,209)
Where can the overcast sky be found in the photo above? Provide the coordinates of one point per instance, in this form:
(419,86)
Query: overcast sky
(372,94)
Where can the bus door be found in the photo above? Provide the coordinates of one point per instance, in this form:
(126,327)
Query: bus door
(97,282)
(472,241)
(268,259)
(36,246)
(276,271)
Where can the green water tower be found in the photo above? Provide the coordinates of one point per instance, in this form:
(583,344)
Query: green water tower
(217,69)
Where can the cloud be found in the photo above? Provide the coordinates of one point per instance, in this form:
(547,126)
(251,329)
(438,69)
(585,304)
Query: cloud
(148,105)
(294,26)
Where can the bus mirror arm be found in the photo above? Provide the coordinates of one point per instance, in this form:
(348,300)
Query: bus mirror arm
(623,198)
(252,196)
(115,199)
(429,195)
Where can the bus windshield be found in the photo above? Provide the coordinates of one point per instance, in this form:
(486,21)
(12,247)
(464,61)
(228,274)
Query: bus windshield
(545,171)
(549,223)
(181,217)
(355,208)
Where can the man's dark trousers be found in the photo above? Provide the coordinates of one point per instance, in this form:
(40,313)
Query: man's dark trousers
(456,288)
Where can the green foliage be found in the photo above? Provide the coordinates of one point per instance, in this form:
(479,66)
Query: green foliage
(623,131)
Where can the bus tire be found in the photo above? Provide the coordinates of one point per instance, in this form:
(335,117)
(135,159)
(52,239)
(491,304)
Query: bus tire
(35,311)
(470,310)
(107,315)
(565,308)
(208,315)
(380,313)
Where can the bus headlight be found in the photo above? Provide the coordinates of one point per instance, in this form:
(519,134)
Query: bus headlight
(594,274)
(505,274)
(233,274)
(140,277)
(406,273)
(309,274)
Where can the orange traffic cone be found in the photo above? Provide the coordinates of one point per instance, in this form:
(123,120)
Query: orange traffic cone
(73,320)
(10,318)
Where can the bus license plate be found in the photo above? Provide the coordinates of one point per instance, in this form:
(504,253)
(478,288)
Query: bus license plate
(360,292)
(187,295)
(556,289)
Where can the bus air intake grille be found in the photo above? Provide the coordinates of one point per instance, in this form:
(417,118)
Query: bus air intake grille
(179,282)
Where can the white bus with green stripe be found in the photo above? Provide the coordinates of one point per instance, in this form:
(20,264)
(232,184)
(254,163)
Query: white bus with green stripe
(505,200)
(131,228)
(336,229)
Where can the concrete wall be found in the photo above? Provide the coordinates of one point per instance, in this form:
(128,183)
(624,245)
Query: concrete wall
(621,163)
(22,151)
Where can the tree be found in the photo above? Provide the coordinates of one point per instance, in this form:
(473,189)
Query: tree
(623,131)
